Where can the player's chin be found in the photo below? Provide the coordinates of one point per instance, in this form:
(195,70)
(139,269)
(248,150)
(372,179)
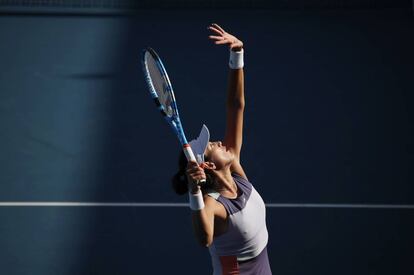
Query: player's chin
(230,155)
(226,159)
(228,151)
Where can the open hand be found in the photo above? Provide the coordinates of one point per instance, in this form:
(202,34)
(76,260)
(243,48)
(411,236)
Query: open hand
(222,37)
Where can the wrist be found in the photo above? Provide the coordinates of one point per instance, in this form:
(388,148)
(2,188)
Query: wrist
(236,60)
(193,188)
(196,200)
(237,49)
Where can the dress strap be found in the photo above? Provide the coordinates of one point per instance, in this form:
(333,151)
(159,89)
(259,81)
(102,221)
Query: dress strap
(212,193)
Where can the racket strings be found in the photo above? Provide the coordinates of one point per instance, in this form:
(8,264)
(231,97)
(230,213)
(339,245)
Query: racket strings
(160,86)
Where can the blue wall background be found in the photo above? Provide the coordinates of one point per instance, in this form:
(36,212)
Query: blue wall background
(329,119)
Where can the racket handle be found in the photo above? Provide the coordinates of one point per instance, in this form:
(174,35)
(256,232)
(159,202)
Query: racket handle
(190,156)
(189,153)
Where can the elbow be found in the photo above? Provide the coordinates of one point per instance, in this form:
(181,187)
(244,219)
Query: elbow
(205,241)
(236,105)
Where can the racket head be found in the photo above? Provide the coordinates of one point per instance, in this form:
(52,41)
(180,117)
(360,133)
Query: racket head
(161,91)
(159,83)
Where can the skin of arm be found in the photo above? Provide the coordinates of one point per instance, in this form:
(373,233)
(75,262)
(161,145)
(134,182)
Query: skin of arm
(204,220)
(235,99)
(234,121)
(234,111)
(213,213)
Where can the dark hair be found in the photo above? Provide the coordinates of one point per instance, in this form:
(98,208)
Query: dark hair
(179,180)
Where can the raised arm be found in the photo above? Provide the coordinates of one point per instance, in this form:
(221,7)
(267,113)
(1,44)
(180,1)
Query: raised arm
(235,90)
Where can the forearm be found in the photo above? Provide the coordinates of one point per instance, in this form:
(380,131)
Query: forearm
(201,206)
(203,226)
(235,103)
(235,89)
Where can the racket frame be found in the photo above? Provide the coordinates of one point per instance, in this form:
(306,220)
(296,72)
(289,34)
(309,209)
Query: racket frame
(174,120)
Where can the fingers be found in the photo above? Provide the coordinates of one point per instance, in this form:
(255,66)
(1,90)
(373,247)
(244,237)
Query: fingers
(218,27)
(194,172)
(232,41)
(192,164)
(216,31)
(215,37)
(196,177)
(219,39)
(220,42)
(194,168)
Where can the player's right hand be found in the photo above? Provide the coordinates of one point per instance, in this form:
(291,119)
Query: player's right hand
(194,176)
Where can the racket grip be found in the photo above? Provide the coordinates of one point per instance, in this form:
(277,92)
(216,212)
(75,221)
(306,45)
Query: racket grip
(189,153)
(190,156)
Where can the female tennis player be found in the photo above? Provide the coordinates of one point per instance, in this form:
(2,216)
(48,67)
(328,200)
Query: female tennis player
(228,214)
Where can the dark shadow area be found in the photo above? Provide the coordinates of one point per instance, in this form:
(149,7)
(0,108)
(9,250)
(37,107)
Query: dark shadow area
(329,119)
(91,76)
(131,6)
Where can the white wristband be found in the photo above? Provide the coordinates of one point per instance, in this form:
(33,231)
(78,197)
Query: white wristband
(196,200)
(236,59)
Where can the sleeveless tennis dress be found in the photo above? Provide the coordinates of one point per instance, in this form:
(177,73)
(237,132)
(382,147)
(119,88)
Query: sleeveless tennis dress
(242,248)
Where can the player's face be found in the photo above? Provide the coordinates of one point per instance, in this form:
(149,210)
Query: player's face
(217,153)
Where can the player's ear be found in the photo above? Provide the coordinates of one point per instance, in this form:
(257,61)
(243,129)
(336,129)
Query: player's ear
(209,165)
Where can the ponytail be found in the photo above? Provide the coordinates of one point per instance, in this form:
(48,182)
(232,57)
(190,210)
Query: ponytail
(179,180)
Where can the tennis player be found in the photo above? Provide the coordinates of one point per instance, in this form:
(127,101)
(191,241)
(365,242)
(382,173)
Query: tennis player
(228,214)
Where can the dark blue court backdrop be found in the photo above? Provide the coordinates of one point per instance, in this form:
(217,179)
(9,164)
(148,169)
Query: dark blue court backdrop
(329,119)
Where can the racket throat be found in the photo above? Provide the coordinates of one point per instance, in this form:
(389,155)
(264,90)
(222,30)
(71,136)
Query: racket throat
(189,153)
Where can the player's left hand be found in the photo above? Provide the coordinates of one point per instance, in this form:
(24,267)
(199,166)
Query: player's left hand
(221,37)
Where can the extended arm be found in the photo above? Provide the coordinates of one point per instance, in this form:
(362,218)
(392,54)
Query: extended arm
(234,111)
(235,90)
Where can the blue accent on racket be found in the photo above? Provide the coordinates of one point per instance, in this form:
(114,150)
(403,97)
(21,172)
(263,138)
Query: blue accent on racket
(162,92)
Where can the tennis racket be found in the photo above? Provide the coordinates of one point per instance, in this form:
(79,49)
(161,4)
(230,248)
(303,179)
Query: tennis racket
(162,93)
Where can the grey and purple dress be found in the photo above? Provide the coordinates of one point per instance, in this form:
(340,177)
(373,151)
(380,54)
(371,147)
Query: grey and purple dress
(242,248)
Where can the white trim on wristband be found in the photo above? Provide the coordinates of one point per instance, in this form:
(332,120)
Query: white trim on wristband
(196,200)
(236,59)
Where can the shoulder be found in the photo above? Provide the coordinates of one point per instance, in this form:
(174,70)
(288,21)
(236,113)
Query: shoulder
(209,201)
(214,206)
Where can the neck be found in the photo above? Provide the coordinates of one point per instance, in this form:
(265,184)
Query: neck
(224,183)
